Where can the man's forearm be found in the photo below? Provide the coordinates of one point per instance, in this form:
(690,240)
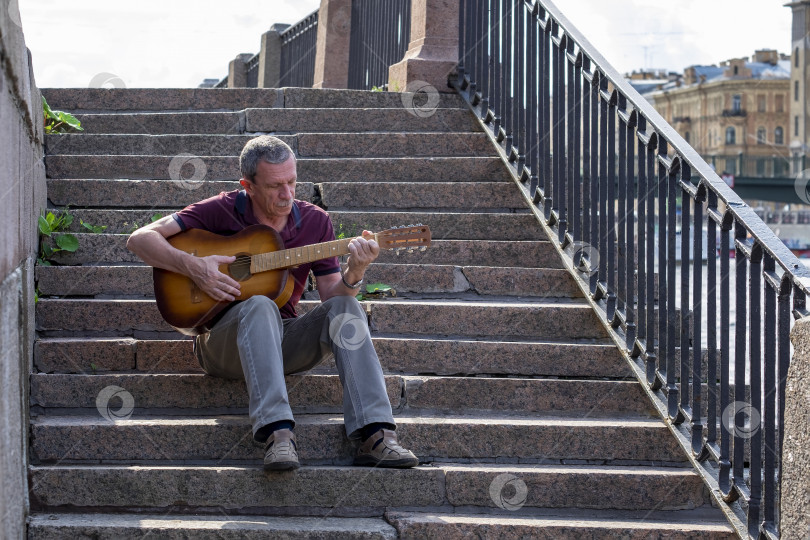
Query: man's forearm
(155,250)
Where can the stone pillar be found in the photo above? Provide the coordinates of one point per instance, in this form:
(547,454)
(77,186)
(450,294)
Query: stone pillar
(332,49)
(237,71)
(795,513)
(270,57)
(433,51)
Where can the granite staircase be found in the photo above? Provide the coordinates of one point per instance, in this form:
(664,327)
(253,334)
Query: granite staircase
(526,418)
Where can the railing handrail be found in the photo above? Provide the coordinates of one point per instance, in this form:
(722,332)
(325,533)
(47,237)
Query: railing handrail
(798,274)
(296,28)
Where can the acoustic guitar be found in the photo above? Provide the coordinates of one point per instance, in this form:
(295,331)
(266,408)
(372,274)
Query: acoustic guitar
(261,267)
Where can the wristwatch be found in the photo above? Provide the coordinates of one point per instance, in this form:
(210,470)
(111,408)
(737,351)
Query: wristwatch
(350,285)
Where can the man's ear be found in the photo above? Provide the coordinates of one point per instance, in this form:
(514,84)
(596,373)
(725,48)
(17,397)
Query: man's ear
(247,184)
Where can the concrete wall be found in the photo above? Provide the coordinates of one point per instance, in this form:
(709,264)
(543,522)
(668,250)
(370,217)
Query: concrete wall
(796,450)
(22,195)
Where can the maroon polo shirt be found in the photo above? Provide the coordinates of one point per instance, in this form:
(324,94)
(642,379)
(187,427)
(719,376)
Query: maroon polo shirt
(231,211)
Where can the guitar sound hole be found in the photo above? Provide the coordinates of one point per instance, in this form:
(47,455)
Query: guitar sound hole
(240,268)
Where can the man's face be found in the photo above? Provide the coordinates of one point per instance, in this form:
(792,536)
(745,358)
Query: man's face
(273,189)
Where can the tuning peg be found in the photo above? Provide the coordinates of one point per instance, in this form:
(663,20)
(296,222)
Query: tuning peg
(410,250)
(423,249)
(398,251)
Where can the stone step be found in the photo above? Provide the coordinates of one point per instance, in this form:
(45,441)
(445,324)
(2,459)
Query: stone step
(106,281)
(397,355)
(246,489)
(146,193)
(307,393)
(352,195)
(466,196)
(233,99)
(276,121)
(181,527)
(405,169)
(304,145)
(111,249)
(321,439)
(558,321)
(417,525)
(572,398)
(443,226)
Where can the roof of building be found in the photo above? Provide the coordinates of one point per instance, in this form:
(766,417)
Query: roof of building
(759,70)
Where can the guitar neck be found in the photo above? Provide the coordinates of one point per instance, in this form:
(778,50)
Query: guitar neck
(287,258)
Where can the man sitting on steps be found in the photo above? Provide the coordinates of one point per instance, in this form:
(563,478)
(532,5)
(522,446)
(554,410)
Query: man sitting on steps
(259,342)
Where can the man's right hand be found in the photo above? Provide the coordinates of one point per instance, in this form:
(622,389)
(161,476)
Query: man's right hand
(206,274)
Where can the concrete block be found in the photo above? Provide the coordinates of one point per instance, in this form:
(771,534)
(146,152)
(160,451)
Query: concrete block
(796,446)
(230,527)
(630,488)
(315,98)
(236,489)
(164,123)
(394,144)
(162,99)
(462,196)
(135,167)
(414,169)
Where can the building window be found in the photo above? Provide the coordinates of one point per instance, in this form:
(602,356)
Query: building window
(796,57)
(736,70)
(795,126)
(760,167)
(761,135)
(778,136)
(795,90)
(686,136)
(736,103)
(761,103)
(731,134)
(780,103)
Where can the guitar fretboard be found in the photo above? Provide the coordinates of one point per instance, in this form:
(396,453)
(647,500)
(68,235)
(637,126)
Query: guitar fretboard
(286,258)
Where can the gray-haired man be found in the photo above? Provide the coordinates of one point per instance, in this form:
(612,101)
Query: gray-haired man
(260,342)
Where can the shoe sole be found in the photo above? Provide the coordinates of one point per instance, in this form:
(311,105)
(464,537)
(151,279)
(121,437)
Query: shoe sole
(281,466)
(404,463)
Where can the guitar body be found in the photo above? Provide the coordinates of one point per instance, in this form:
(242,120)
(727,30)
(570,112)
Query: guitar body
(192,312)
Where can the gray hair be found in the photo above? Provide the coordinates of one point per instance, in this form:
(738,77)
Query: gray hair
(263,148)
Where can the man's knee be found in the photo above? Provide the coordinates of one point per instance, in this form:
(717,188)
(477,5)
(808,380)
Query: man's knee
(259,306)
(344,304)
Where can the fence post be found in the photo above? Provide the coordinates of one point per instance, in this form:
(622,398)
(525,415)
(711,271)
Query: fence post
(237,71)
(270,57)
(433,51)
(795,460)
(332,49)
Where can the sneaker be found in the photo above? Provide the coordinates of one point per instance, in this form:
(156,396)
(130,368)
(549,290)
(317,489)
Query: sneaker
(281,451)
(383,450)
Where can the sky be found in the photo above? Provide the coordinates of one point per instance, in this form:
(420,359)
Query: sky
(178,43)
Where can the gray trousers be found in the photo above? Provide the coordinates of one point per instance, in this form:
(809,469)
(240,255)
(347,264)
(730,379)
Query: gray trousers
(252,342)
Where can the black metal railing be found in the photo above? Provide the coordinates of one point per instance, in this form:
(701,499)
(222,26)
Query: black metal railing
(223,83)
(252,72)
(618,188)
(298,45)
(380,33)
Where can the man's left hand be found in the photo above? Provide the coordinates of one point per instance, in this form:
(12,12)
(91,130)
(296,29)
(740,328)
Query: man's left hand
(363,253)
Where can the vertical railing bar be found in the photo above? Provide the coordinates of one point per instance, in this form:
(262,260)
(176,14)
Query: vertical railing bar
(725,481)
(685,314)
(520,90)
(697,315)
(604,183)
(653,186)
(738,458)
(545,104)
(711,322)
(755,367)
(630,240)
(621,225)
(610,231)
(576,164)
(587,93)
(770,390)
(641,274)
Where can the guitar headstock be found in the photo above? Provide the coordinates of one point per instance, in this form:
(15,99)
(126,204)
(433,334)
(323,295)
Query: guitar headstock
(407,237)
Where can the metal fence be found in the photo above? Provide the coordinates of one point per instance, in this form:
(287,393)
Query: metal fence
(380,34)
(577,135)
(298,45)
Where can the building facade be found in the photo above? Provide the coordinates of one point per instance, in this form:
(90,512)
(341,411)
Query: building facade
(736,115)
